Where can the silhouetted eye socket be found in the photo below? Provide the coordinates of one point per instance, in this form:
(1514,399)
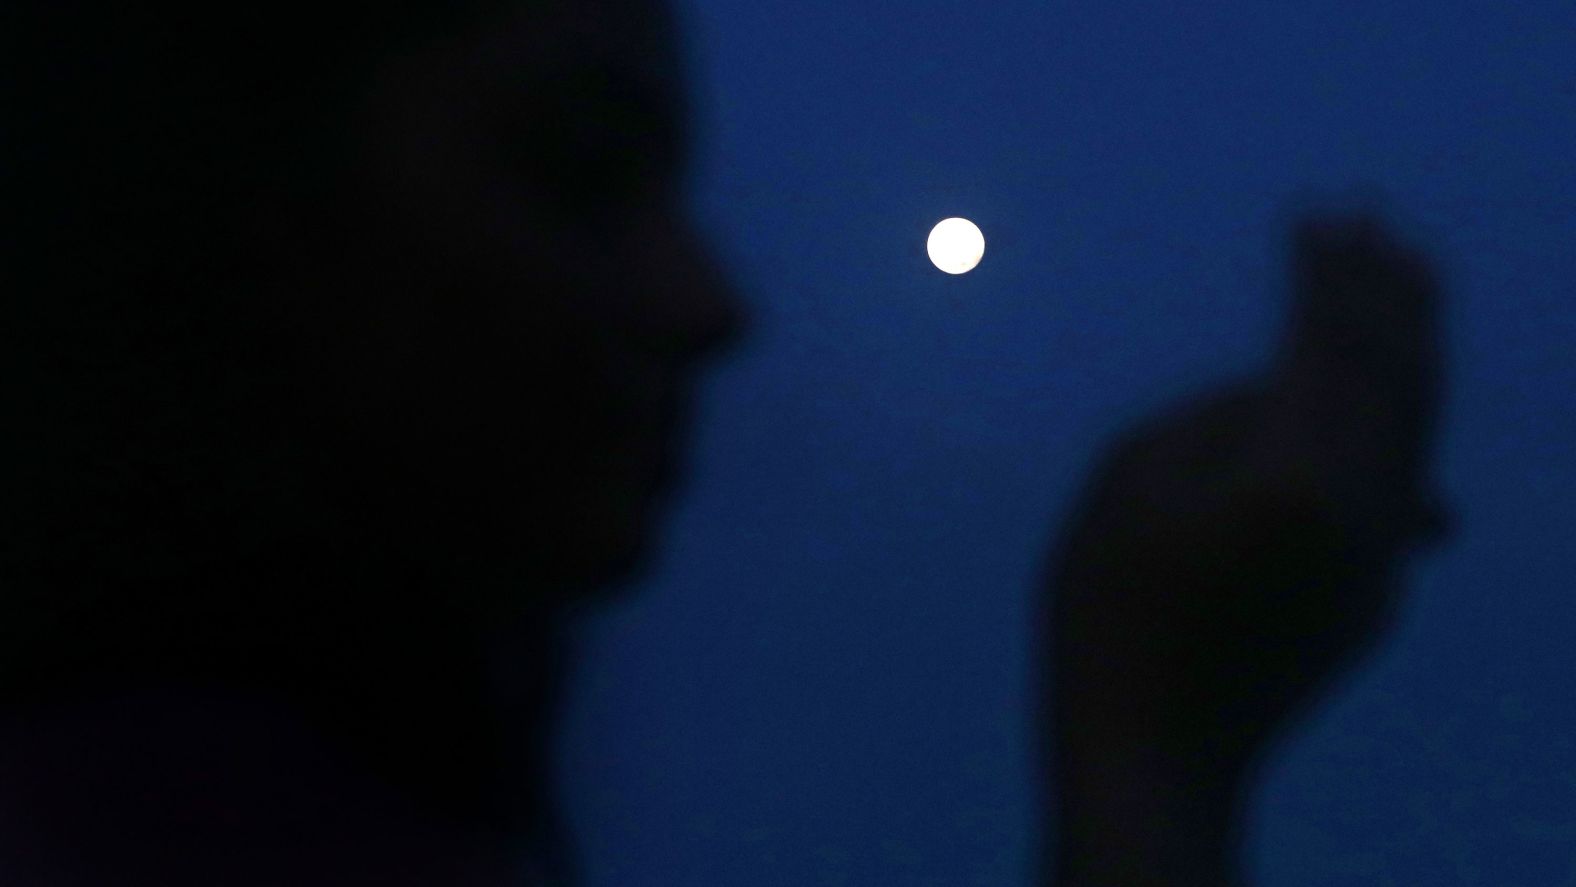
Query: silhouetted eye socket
(599,142)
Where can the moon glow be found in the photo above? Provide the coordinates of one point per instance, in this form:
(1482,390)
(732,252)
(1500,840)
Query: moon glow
(956,245)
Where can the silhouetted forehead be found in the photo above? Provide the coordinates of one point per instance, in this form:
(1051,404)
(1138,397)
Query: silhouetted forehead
(539,40)
(321,37)
(631,41)
(613,60)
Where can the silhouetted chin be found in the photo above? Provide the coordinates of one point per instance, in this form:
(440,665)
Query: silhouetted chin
(624,529)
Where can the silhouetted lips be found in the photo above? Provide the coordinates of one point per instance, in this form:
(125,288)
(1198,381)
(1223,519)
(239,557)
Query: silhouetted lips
(671,428)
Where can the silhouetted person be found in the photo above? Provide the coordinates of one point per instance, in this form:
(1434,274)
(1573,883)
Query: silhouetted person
(343,343)
(1231,558)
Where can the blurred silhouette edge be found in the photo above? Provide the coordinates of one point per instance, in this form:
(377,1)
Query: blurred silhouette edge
(1231,558)
(345,345)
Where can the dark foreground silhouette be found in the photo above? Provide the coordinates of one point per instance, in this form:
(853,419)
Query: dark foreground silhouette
(344,345)
(1234,556)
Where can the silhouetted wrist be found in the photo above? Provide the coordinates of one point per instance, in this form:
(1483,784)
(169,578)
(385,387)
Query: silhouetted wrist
(1138,827)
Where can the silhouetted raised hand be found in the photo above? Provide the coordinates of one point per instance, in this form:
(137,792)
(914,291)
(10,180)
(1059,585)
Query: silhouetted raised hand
(1232,557)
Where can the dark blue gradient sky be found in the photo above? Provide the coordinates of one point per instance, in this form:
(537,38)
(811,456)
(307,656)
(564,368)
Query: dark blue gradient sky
(826,680)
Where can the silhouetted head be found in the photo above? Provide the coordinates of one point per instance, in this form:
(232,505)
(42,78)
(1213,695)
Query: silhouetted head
(332,329)
(538,294)
(423,265)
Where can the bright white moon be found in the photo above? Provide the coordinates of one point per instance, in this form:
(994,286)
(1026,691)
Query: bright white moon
(956,245)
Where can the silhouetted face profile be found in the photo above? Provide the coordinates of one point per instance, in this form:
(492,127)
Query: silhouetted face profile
(324,329)
(438,253)
(549,294)
(534,296)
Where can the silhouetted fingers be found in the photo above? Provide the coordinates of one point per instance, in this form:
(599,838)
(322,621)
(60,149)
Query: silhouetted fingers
(1363,344)
(1356,389)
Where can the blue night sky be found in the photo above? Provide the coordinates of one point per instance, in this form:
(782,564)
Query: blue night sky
(826,679)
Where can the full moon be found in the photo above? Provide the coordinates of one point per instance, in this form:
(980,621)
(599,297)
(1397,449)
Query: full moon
(956,245)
